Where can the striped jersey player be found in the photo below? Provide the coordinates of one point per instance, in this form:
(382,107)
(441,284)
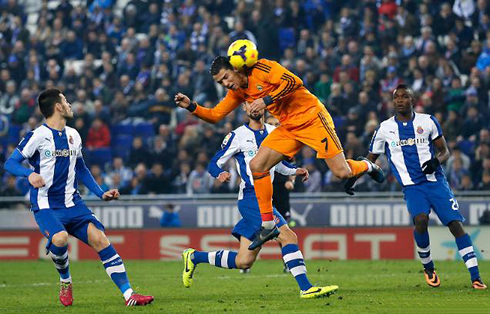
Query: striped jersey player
(54,152)
(242,144)
(415,147)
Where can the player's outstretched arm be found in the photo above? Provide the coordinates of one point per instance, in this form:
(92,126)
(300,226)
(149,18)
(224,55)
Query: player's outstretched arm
(14,166)
(84,175)
(211,115)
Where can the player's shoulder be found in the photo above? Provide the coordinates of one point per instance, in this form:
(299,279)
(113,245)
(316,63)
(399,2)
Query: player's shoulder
(241,131)
(425,118)
(266,65)
(269,127)
(41,131)
(70,130)
(388,124)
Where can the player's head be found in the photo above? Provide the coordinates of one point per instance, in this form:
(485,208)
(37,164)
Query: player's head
(52,101)
(403,99)
(224,73)
(255,115)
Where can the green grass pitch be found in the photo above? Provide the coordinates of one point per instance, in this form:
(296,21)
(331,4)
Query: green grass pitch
(365,287)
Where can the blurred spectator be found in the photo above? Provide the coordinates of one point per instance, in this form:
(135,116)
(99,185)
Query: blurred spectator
(99,135)
(139,154)
(156,182)
(199,181)
(314,183)
(170,217)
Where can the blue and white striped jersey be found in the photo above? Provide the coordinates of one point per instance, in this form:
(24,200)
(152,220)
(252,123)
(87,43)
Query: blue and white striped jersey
(243,144)
(408,145)
(53,154)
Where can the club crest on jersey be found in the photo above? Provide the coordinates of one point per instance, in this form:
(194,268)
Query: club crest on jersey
(71,140)
(259,87)
(420,130)
(225,141)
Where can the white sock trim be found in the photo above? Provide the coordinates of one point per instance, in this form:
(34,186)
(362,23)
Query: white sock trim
(426,260)
(423,250)
(224,259)
(110,259)
(127,294)
(298,270)
(370,166)
(466,250)
(59,257)
(212,258)
(292,256)
(268,224)
(67,280)
(472,262)
(115,269)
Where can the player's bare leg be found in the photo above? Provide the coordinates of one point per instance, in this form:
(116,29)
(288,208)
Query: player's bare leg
(293,259)
(347,168)
(114,266)
(59,255)
(260,166)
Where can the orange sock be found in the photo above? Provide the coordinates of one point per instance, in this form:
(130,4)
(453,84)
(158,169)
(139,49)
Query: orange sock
(357,167)
(263,191)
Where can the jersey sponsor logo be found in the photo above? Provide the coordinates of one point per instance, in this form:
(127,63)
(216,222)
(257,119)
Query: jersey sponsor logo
(225,140)
(420,130)
(251,153)
(408,142)
(60,153)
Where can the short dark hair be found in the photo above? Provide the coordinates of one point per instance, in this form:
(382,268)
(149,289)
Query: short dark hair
(220,62)
(47,99)
(407,88)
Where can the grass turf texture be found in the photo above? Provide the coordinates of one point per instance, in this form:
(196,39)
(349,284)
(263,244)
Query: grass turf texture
(365,286)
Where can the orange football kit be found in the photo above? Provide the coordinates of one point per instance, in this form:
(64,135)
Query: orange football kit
(304,120)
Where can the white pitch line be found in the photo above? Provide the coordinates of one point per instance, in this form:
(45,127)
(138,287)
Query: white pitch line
(41,284)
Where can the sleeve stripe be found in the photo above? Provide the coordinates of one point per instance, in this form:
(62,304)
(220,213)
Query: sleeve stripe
(259,66)
(438,126)
(24,141)
(373,139)
(265,66)
(286,89)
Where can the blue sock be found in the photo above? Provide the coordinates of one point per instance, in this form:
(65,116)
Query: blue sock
(423,249)
(466,251)
(223,259)
(200,257)
(296,264)
(59,255)
(114,267)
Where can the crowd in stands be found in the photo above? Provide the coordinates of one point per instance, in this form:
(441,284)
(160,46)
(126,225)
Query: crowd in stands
(120,63)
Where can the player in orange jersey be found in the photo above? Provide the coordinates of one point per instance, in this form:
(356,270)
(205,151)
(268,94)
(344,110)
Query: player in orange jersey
(304,121)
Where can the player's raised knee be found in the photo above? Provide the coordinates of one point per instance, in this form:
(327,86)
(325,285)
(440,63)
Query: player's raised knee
(99,241)
(421,220)
(60,239)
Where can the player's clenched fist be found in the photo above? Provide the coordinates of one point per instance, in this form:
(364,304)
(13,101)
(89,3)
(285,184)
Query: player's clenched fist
(303,172)
(182,100)
(36,180)
(111,195)
(224,177)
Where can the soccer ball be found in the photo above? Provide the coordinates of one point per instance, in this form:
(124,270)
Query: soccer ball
(243,54)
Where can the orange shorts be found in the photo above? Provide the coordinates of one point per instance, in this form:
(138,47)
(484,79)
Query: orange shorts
(318,133)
